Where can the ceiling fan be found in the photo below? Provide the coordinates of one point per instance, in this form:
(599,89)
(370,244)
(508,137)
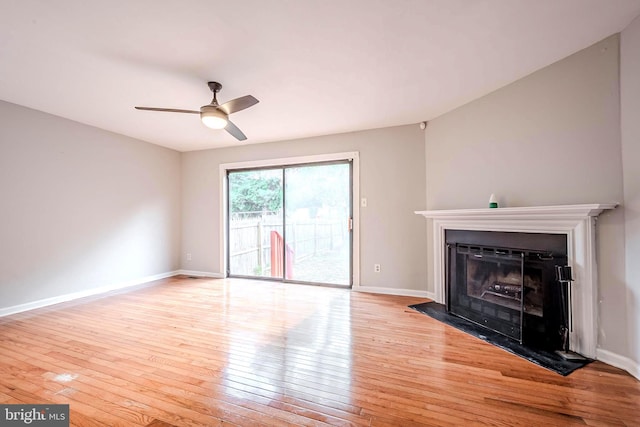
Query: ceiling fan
(214,115)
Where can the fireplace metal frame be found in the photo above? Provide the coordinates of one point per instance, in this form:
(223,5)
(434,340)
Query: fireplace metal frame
(532,258)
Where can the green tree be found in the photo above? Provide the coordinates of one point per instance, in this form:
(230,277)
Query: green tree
(255,191)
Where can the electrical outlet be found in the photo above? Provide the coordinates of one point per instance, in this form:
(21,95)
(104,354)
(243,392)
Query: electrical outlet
(376,268)
(188,257)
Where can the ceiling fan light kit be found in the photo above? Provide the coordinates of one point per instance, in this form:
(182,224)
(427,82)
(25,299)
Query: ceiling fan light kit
(213,118)
(214,115)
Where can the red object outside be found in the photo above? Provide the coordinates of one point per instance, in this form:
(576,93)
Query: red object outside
(277,261)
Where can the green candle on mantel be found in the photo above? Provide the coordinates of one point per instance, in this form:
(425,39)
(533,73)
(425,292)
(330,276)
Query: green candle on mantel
(493,202)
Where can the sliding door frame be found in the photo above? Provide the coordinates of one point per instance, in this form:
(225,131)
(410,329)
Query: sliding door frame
(353,157)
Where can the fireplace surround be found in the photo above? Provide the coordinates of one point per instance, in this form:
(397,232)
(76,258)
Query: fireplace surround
(577,223)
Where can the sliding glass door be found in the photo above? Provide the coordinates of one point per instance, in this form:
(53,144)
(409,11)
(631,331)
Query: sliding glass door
(317,216)
(255,213)
(291,223)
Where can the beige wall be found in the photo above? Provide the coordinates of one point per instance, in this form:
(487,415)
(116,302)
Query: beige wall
(391,178)
(551,138)
(630,102)
(81,208)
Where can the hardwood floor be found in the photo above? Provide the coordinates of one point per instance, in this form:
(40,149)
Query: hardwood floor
(201,352)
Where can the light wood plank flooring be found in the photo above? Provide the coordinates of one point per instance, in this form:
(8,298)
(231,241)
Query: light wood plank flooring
(201,352)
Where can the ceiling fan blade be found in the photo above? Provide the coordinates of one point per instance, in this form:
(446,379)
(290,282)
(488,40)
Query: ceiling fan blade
(234,131)
(238,104)
(167,110)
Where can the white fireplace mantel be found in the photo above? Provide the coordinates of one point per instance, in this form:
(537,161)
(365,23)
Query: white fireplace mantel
(577,222)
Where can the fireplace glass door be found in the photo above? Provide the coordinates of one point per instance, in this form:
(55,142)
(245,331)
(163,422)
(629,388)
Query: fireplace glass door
(490,289)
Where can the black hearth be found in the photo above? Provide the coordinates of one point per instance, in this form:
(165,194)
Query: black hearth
(505,281)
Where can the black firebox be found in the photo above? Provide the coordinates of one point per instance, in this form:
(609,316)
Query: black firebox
(505,281)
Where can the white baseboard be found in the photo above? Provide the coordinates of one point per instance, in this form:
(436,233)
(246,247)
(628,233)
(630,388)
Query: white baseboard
(201,274)
(20,308)
(618,361)
(394,291)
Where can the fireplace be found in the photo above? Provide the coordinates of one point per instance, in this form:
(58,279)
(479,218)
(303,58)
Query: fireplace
(577,223)
(505,281)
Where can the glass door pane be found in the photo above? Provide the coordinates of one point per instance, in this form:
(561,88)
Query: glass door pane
(255,223)
(317,217)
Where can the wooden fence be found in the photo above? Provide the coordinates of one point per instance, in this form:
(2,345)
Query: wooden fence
(250,241)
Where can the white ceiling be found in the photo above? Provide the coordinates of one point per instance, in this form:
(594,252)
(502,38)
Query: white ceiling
(317,66)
